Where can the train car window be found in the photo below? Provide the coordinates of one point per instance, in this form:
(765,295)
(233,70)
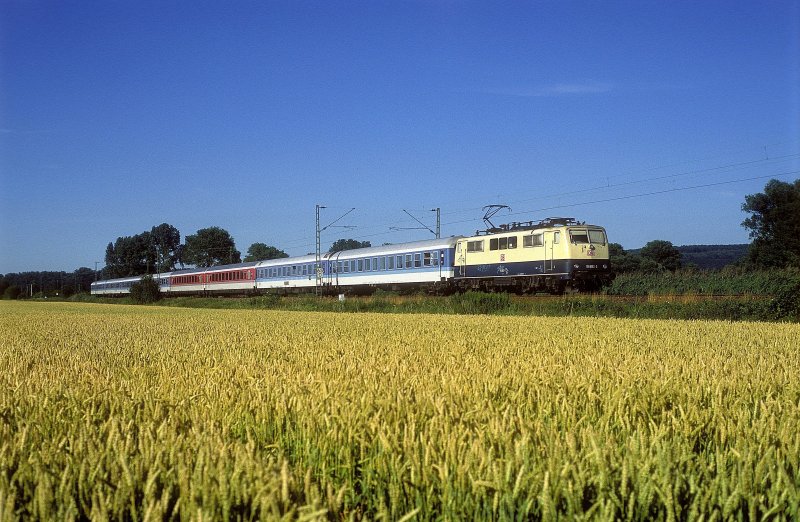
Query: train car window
(578,236)
(408,261)
(426,259)
(399,262)
(360,265)
(367,265)
(493,244)
(435,258)
(597,237)
(512,242)
(556,237)
(475,246)
(502,243)
(383,263)
(345,266)
(417,260)
(374,263)
(390,262)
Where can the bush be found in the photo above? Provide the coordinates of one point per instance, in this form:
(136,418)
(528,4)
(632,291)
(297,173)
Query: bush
(145,291)
(12,292)
(480,303)
(786,304)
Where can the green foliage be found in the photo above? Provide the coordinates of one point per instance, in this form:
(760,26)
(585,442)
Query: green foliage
(153,250)
(348,244)
(786,303)
(12,292)
(166,241)
(209,247)
(480,303)
(263,252)
(621,261)
(774,225)
(145,291)
(731,281)
(662,253)
(130,256)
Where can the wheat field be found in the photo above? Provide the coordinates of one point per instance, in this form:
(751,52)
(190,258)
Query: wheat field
(150,413)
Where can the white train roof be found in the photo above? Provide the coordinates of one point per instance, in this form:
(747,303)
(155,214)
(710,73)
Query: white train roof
(399,248)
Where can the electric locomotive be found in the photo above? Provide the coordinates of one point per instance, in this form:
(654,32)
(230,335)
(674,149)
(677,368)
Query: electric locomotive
(553,255)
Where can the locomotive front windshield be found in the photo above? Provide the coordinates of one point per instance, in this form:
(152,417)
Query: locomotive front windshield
(585,237)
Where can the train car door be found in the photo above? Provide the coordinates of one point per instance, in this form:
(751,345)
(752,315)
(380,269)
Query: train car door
(461,258)
(551,239)
(333,272)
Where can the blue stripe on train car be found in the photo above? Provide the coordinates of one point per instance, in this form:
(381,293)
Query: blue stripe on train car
(561,267)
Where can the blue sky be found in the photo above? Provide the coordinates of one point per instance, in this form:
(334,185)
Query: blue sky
(653,119)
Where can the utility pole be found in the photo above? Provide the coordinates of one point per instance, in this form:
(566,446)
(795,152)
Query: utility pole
(95,271)
(438,222)
(318,264)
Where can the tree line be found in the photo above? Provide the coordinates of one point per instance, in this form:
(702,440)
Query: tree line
(160,250)
(773,225)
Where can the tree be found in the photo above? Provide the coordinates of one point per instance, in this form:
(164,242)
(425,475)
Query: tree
(774,225)
(663,253)
(262,252)
(348,244)
(158,248)
(166,241)
(129,256)
(12,292)
(210,246)
(622,261)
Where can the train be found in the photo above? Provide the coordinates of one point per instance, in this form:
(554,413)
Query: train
(555,255)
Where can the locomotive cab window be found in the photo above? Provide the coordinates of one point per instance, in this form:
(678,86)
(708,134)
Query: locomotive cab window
(579,237)
(512,242)
(556,237)
(597,237)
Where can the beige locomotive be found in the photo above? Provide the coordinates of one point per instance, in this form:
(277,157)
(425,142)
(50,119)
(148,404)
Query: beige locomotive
(554,255)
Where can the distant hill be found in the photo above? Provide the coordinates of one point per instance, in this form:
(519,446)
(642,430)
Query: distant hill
(709,256)
(712,256)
